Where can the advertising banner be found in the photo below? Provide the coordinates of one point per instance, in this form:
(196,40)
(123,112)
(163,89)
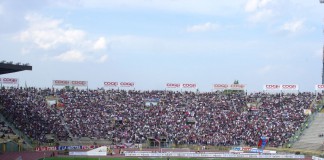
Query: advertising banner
(237,87)
(79,83)
(289,87)
(319,87)
(127,84)
(70,83)
(271,87)
(9,80)
(61,83)
(61,148)
(110,84)
(173,85)
(189,85)
(221,86)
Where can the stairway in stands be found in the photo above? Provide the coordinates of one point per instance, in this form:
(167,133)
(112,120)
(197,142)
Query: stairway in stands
(28,142)
(310,139)
(74,140)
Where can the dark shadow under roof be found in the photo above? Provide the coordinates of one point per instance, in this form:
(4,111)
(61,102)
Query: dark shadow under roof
(10,67)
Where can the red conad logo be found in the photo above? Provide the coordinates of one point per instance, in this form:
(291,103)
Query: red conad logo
(289,86)
(12,80)
(61,82)
(320,86)
(220,85)
(272,86)
(173,85)
(126,83)
(237,86)
(79,82)
(188,85)
(111,83)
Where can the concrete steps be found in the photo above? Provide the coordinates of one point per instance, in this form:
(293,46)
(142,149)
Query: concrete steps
(310,139)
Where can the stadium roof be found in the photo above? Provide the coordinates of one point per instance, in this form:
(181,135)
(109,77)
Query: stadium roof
(10,67)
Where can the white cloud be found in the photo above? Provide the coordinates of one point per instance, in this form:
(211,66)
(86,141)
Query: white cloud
(71,56)
(103,58)
(47,33)
(264,3)
(203,27)
(253,5)
(293,26)
(261,15)
(53,36)
(210,7)
(259,10)
(100,43)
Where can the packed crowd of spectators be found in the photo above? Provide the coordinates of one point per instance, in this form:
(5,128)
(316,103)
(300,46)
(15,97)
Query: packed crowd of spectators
(213,118)
(28,110)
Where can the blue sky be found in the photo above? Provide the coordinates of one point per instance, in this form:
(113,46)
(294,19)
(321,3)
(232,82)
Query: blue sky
(154,42)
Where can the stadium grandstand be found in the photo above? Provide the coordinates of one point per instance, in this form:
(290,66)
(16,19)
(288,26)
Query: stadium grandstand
(43,122)
(57,119)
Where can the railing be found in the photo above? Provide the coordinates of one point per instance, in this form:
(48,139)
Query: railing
(305,125)
(28,141)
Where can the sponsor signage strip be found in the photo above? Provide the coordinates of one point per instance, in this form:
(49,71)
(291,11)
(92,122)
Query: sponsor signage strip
(212,155)
(283,87)
(188,85)
(181,85)
(69,83)
(111,84)
(319,87)
(127,84)
(9,80)
(229,86)
(173,85)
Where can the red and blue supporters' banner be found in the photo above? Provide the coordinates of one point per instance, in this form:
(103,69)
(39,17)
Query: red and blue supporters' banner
(263,142)
(61,148)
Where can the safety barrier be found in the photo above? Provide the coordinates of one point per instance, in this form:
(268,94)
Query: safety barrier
(211,155)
